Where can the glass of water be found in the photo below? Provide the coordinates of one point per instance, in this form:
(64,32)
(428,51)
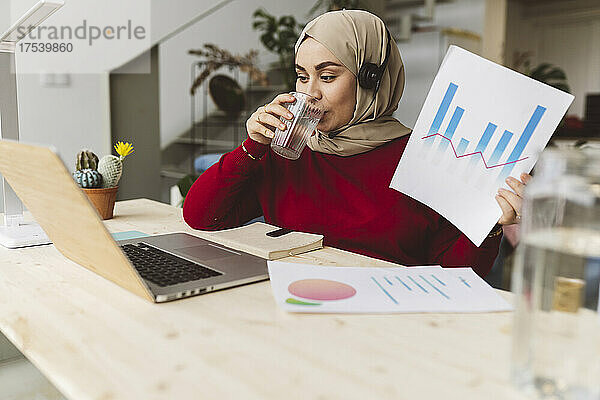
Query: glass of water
(290,142)
(556,279)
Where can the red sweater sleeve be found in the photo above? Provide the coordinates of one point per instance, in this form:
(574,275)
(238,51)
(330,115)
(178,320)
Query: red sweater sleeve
(224,196)
(451,248)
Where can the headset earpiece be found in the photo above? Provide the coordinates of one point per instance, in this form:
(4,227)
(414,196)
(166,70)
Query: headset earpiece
(368,76)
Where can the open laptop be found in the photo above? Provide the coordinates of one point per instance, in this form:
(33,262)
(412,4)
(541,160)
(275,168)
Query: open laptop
(158,268)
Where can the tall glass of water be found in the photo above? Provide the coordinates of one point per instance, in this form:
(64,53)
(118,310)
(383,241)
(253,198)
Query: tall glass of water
(556,279)
(290,142)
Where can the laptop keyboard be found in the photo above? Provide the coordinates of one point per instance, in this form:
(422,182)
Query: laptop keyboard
(162,268)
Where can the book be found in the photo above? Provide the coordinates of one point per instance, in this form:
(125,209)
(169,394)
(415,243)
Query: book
(253,239)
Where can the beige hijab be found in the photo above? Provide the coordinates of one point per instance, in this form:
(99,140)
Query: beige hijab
(355,37)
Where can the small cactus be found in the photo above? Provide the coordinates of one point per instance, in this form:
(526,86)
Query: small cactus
(86,159)
(88,178)
(111,168)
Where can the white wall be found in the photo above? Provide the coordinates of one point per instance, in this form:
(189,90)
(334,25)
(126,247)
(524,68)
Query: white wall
(69,118)
(423,54)
(77,116)
(566,34)
(229,28)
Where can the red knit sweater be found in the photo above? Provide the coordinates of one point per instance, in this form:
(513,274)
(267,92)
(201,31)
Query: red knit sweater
(347,199)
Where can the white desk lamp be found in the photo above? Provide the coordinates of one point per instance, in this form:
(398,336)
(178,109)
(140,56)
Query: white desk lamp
(15,232)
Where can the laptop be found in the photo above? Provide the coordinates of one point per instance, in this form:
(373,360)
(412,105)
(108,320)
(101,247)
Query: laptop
(158,268)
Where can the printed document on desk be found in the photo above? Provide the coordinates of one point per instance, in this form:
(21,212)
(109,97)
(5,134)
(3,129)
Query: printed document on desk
(481,122)
(318,289)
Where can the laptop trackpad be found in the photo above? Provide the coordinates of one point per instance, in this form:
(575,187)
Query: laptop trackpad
(207,252)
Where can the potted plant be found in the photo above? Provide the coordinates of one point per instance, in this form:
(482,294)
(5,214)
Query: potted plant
(215,58)
(279,36)
(544,72)
(99,179)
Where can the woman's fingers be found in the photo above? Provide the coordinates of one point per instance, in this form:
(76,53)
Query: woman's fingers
(516,185)
(265,120)
(525,178)
(508,213)
(283,98)
(279,110)
(513,199)
(270,120)
(258,131)
(510,216)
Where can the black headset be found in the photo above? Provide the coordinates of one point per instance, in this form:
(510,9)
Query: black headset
(369,77)
(370,74)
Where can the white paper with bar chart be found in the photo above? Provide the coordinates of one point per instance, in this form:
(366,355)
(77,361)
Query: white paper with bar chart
(481,122)
(431,289)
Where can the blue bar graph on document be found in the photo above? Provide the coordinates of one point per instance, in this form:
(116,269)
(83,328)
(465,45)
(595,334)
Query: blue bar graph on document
(500,147)
(483,142)
(462,147)
(458,113)
(384,291)
(477,155)
(523,140)
(441,113)
(413,284)
(434,287)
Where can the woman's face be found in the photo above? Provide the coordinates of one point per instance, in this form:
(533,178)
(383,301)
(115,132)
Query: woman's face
(323,76)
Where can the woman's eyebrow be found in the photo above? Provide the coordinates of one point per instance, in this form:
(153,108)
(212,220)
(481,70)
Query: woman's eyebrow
(320,66)
(327,64)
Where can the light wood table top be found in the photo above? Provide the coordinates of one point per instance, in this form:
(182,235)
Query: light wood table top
(94,340)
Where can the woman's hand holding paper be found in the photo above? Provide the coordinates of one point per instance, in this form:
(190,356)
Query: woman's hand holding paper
(511,201)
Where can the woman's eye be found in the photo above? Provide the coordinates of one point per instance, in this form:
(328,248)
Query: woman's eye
(302,78)
(328,77)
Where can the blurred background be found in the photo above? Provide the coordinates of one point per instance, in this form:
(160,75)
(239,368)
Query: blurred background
(211,63)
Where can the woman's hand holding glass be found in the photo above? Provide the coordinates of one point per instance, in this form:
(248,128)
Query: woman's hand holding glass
(511,201)
(265,120)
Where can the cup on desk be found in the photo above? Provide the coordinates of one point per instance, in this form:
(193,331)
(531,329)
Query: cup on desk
(556,279)
(290,142)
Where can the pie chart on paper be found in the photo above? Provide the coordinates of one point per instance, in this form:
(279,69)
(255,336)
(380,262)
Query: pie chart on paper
(321,289)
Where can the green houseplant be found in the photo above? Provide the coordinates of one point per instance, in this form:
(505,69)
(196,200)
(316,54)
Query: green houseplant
(279,35)
(547,73)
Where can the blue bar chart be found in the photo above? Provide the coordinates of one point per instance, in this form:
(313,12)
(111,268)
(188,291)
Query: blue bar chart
(441,112)
(491,128)
(479,124)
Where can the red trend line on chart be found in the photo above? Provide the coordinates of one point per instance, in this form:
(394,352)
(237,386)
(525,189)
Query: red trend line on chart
(471,154)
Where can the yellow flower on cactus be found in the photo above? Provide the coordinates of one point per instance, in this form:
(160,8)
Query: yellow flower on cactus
(123,149)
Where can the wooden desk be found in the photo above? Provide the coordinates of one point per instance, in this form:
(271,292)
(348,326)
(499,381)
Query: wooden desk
(94,340)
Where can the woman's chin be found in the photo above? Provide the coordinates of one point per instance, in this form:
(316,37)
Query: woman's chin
(323,126)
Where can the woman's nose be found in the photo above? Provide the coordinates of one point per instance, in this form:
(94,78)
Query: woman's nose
(314,90)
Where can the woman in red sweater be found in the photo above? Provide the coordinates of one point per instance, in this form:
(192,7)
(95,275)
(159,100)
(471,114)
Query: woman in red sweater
(339,187)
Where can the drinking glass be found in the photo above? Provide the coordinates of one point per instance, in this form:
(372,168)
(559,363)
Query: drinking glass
(556,279)
(290,142)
